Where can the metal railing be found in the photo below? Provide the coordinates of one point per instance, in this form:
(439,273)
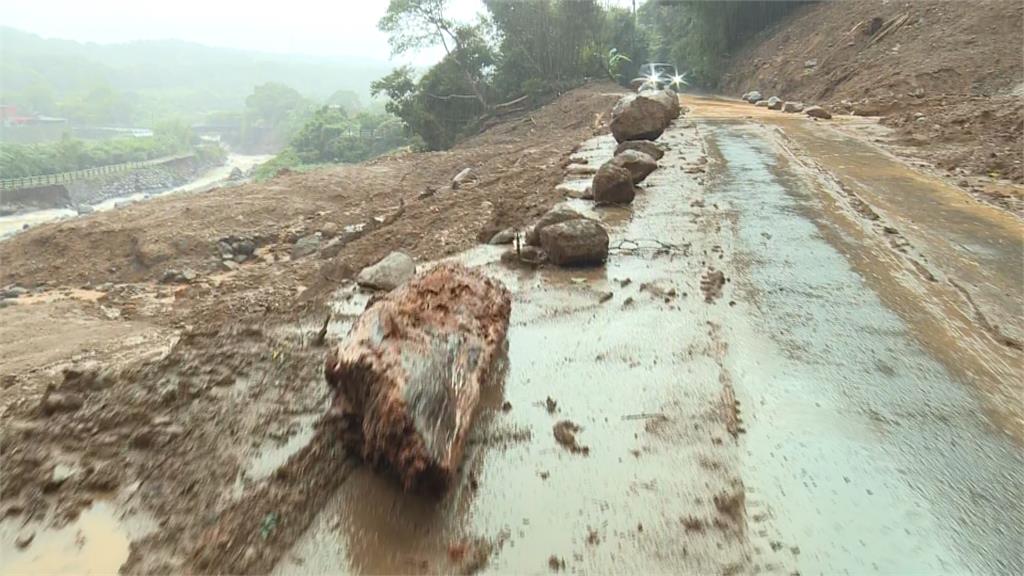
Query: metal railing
(67,177)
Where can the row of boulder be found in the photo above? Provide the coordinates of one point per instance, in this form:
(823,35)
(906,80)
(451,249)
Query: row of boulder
(776,103)
(563,236)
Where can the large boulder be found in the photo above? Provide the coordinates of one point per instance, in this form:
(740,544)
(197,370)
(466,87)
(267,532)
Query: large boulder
(761,103)
(775,103)
(792,106)
(640,165)
(410,374)
(645,146)
(753,96)
(637,117)
(613,185)
(559,213)
(579,242)
(818,112)
(392,271)
(668,99)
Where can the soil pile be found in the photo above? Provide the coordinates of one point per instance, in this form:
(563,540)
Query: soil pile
(948,76)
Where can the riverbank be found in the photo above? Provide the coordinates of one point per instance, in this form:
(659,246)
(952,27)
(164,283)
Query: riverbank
(81,198)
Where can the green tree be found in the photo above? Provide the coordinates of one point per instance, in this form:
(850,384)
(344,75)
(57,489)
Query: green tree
(418,24)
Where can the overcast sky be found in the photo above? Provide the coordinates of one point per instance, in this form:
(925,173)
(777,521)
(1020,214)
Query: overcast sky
(339,28)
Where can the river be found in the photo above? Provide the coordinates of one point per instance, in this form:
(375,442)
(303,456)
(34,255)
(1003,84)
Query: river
(212,178)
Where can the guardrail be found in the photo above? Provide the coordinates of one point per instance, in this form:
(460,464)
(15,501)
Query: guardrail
(67,177)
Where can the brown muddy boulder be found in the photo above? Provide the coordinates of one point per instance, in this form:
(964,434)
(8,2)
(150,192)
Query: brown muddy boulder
(559,213)
(581,242)
(668,99)
(640,165)
(645,146)
(818,112)
(406,381)
(613,185)
(637,117)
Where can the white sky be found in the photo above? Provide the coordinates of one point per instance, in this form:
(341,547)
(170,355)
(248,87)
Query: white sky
(337,28)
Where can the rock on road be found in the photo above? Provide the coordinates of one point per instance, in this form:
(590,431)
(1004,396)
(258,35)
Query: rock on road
(840,397)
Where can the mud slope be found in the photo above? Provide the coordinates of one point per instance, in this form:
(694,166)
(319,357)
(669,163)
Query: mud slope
(947,75)
(516,164)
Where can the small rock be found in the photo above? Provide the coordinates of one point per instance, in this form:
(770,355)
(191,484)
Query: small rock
(753,96)
(792,107)
(775,103)
(60,474)
(24,539)
(639,164)
(579,242)
(818,112)
(56,402)
(389,273)
(529,255)
(84,209)
(645,146)
(810,63)
(761,103)
(463,178)
(244,247)
(178,276)
(505,236)
(613,185)
(329,230)
(15,292)
(305,246)
(229,265)
(558,213)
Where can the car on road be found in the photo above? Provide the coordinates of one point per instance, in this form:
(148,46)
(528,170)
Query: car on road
(658,75)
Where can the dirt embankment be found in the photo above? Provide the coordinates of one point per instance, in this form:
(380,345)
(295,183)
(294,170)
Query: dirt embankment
(947,76)
(515,169)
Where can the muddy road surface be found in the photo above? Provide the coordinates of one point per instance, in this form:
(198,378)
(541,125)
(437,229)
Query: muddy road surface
(802,356)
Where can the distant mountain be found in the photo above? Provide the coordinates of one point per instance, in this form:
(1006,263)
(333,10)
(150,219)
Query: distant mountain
(157,79)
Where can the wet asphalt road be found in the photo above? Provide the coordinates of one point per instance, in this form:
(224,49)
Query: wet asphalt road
(813,418)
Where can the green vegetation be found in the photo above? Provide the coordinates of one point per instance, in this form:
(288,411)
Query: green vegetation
(535,48)
(700,36)
(540,48)
(67,155)
(332,136)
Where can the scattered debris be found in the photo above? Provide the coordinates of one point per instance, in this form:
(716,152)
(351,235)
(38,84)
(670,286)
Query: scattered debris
(565,434)
(711,284)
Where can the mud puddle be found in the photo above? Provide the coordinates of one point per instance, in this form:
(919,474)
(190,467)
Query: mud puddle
(97,543)
(863,453)
(643,402)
